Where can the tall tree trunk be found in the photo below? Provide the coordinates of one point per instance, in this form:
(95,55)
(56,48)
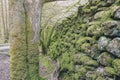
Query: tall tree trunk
(24,63)
(6,20)
(4,15)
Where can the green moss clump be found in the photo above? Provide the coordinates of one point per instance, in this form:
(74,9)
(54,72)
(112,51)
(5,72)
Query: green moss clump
(93,8)
(107,15)
(116,65)
(91,75)
(109,71)
(87,40)
(105,59)
(67,61)
(68,76)
(86,48)
(94,30)
(100,78)
(54,50)
(85,60)
(81,72)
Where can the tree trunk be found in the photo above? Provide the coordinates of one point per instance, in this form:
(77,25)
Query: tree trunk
(4,14)
(3,20)
(24,63)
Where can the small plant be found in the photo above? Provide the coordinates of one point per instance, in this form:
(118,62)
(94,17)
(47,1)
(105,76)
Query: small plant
(46,35)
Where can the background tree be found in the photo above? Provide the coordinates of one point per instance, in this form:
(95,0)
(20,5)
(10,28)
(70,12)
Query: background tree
(4,20)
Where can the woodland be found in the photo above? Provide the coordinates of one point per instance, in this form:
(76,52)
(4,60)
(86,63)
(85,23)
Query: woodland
(59,39)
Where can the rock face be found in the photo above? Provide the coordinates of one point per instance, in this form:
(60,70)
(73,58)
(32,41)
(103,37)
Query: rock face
(102,43)
(117,14)
(111,28)
(88,45)
(114,47)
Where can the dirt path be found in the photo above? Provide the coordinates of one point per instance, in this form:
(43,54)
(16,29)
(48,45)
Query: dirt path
(4,66)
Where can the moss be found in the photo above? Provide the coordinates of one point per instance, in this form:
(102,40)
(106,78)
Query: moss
(94,30)
(45,61)
(18,57)
(85,47)
(105,59)
(85,60)
(67,61)
(93,8)
(100,78)
(116,65)
(76,76)
(110,71)
(54,50)
(89,68)
(107,15)
(91,75)
(76,43)
(85,10)
(95,2)
(77,57)
(83,40)
(117,2)
(67,77)
(92,63)
(47,66)
(81,72)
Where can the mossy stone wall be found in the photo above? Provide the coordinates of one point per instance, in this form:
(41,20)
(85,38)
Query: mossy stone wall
(88,44)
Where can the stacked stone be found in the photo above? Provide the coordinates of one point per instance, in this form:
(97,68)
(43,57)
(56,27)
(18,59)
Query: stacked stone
(88,45)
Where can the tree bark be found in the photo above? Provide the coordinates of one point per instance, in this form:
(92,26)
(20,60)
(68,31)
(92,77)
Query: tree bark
(24,63)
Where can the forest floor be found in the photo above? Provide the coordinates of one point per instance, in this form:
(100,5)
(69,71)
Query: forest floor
(4,62)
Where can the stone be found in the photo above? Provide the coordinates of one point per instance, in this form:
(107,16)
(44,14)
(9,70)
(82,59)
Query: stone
(106,3)
(110,1)
(114,47)
(99,15)
(100,70)
(103,42)
(83,2)
(94,53)
(111,28)
(117,14)
(92,75)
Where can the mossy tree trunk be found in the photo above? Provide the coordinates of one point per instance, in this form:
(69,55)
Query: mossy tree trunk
(24,64)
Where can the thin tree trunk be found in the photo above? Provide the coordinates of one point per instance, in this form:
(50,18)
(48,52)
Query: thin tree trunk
(3,20)
(4,14)
(6,21)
